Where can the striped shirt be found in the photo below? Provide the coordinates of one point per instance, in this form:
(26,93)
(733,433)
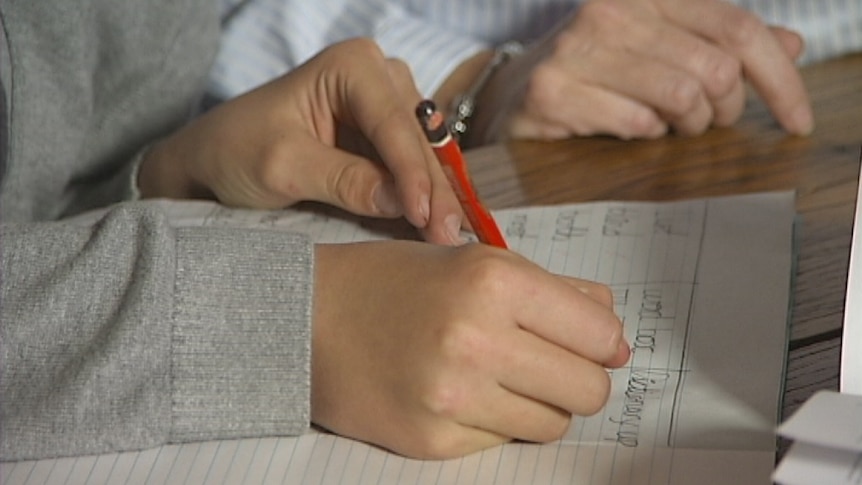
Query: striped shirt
(263,39)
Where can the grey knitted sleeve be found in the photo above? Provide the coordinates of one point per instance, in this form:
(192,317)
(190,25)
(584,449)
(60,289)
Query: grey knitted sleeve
(132,333)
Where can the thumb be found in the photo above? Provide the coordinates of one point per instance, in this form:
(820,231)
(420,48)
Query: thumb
(350,182)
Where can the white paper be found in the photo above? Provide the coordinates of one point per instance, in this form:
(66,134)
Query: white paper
(827,430)
(851,350)
(807,464)
(827,419)
(702,287)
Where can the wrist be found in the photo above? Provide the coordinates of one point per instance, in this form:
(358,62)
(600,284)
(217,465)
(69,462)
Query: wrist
(159,175)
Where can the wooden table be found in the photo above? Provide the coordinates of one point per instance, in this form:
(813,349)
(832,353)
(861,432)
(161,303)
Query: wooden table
(754,155)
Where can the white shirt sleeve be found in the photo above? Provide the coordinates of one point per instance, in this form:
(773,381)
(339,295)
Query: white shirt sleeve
(431,51)
(267,38)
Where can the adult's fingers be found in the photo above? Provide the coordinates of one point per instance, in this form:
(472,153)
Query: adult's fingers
(790,41)
(687,61)
(766,64)
(642,73)
(560,103)
(683,77)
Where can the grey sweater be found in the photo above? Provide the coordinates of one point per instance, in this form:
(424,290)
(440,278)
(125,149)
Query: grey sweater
(130,333)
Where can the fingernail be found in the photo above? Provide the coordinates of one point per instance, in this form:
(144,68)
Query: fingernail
(623,347)
(453,228)
(386,200)
(424,208)
(803,121)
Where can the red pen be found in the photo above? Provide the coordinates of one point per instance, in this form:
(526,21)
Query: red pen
(449,154)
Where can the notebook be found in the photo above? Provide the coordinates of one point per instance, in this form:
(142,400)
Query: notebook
(702,286)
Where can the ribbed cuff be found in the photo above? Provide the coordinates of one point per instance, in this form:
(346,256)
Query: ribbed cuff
(242,334)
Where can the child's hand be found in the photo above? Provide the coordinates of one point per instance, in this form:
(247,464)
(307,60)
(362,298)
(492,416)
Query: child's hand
(436,352)
(319,133)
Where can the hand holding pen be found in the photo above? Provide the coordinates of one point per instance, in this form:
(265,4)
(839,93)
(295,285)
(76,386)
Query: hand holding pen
(455,168)
(325,132)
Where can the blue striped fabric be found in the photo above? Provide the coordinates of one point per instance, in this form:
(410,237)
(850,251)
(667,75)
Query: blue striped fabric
(830,27)
(269,37)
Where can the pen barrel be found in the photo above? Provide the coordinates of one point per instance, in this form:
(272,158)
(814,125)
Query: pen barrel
(484,226)
(449,154)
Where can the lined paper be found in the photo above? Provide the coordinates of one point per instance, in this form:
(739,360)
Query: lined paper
(702,287)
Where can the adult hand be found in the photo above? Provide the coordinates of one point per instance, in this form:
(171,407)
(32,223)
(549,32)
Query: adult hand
(339,129)
(637,68)
(436,352)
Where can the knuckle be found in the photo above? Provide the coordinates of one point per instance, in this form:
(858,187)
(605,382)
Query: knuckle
(640,122)
(355,53)
(555,428)
(399,69)
(682,93)
(609,334)
(347,187)
(603,294)
(545,86)
(363,47)
(463,346)
(272,175)
(724,74)
(730,109)
(444,400)
(743,28)
(693,125)
(596,392)
(486,272)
